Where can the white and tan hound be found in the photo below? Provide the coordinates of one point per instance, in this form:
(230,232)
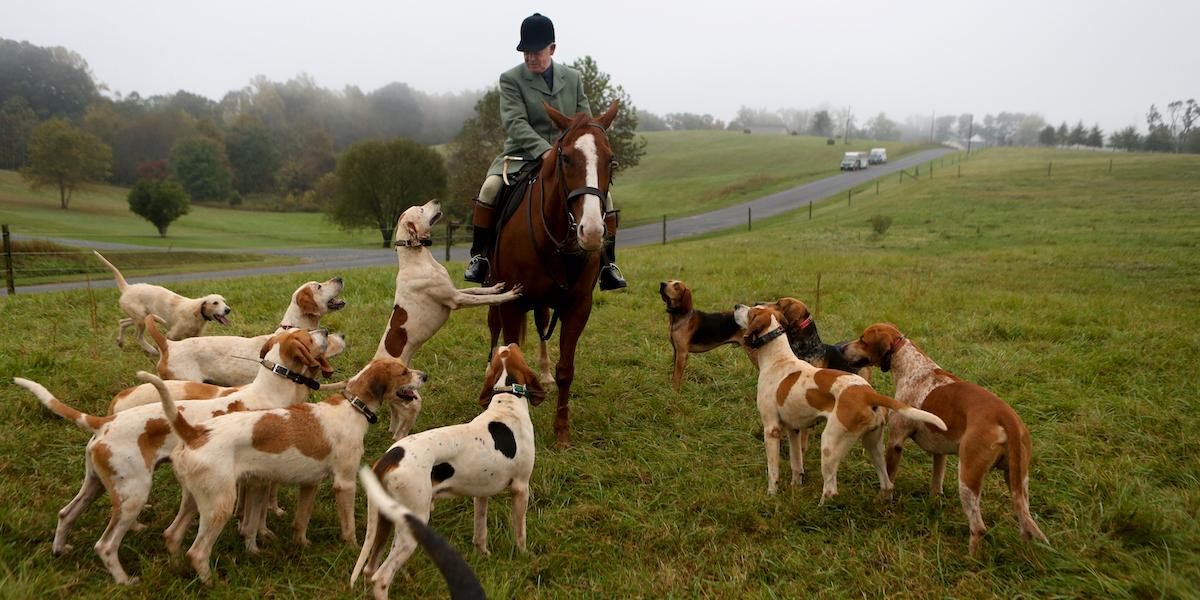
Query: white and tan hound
(482,458)
(983,430)
(125,448)
(185,317)
(300,445)
(793,395)
(221,359)
(424,297)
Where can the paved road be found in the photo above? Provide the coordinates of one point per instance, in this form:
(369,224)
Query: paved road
(335,260)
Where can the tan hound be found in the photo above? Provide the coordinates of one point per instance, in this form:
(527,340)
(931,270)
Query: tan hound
(793,395)
(983,430)
(424,297)
(298,445)
(126,447)
(480,459)
(185,317)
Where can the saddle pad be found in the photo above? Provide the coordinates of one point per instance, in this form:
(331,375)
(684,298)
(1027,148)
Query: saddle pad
(510,195)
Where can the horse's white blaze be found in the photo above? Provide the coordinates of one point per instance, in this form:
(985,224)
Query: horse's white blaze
(591,223)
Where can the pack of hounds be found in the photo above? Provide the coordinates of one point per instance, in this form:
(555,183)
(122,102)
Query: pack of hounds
(231,416)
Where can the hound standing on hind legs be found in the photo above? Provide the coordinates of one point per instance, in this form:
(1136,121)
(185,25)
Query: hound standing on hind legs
(184,317)
(983,430)
(425,295)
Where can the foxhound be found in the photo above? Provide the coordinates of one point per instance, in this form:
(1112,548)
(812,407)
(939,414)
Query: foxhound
(299,445)
(424,297)
(983,430)
(221,359)
(793,395)
(692,330)
(185,317)
(126,447)
(479,459)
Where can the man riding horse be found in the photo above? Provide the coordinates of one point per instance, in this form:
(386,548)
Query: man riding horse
(529,132)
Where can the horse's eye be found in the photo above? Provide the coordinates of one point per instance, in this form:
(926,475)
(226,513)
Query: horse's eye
(566,159)
(614,164)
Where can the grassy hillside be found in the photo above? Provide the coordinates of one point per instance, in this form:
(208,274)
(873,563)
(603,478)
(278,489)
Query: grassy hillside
(682,173)
(1073,297)
(688,172)
(102,214)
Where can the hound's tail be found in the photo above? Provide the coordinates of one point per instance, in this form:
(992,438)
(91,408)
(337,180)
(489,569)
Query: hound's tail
(120,278)
(161,341)
(186,431)
(378,528)
(1020,450)
(876,399)
(458,574)
(82,419)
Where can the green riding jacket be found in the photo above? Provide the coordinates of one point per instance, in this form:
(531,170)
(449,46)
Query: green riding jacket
(528,128)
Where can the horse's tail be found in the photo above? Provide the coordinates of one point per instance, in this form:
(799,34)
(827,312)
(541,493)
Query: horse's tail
(459,577)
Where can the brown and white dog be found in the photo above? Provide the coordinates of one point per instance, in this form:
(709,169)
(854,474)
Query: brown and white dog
(125,448)
(220,359)
(424,297)
(185,317)
(693,330)
(793,395)
(806,342)
(479,459)
(143,394)
(983,430)
(300,445)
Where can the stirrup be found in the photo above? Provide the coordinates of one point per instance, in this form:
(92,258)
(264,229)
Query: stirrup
(611,279)
(477,269)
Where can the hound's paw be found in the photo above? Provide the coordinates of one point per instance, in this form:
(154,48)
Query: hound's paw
(279,512)
(483,550)
(885,494)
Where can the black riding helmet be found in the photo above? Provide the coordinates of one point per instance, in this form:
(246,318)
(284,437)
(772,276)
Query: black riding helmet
(537,32)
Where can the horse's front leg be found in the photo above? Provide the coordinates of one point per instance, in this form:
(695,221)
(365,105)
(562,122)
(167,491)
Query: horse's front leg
(573,320)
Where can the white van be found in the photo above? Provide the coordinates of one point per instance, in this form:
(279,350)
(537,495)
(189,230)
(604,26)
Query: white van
(854,161)
(878,156)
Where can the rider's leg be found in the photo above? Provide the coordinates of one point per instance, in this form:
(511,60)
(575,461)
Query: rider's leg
(610,275)
(484,222)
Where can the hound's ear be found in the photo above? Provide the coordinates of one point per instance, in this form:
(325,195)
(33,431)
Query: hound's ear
(560,120)
(685,299)
(537,394)
(610,115)
(307,302)
(302,346)
(377,383)
(489,379)
(885,365)
(760,320)
(794,311)
(326,368)
(267,346)
(412,230)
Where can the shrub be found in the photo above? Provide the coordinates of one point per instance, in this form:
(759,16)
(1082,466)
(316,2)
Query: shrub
(881,223)
(160,202)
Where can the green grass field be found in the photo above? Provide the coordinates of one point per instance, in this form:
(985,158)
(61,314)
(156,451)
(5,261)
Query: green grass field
(682,173)
(1072,297)
(689,172)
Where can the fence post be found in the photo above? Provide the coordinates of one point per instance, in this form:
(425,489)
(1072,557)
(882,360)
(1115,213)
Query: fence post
(749,219)
(8,266)
(901,177)
(931,169)
(664,229)
(1110,165)
(960,170)
(876,187)
(849,194)
(449,237)
(1049,164)
(810,210)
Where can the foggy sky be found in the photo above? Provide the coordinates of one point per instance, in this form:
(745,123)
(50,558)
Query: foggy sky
(1100,61)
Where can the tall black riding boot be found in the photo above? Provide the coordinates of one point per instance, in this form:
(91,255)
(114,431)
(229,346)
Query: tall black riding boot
(484,222)
(610,275)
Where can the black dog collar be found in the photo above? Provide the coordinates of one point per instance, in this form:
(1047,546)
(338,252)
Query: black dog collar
(290,375)
(515,389)
(762,340)
(362,407)
(412,243)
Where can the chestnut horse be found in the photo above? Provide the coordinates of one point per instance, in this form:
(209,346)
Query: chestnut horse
(551,246)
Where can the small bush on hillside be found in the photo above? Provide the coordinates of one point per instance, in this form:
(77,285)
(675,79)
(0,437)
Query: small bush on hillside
(235,199)
(160,202)
(881,223)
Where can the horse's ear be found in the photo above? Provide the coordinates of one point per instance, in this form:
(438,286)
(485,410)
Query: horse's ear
(609,115)
(560,120)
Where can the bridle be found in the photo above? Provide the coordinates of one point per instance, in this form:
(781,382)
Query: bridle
(571,236)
